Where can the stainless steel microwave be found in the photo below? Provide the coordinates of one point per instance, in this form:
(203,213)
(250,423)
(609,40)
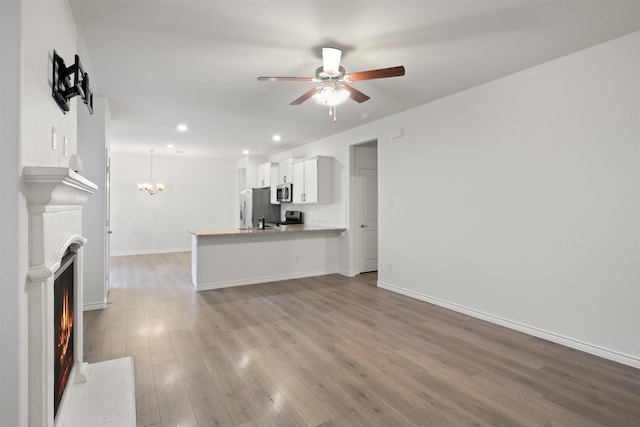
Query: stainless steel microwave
(284,192)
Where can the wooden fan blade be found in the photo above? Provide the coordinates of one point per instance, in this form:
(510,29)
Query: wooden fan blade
(308,94)
(376,74)
(355,94)
(286,79)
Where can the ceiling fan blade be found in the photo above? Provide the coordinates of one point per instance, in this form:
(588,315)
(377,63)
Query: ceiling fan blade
(355,94)
(308,94)
(289,79)
(376,74)
(331,60)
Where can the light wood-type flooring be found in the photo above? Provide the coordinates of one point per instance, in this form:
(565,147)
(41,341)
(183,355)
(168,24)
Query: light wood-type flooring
(336,351)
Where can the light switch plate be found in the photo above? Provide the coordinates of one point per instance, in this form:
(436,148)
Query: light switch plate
(65,147)
(54,141)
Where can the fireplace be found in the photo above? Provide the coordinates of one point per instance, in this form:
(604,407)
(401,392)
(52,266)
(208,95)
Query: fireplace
(77,393)
(55,197)
(63,318)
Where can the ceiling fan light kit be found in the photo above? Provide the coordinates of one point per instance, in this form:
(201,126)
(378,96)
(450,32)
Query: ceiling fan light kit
(331,96)
(332,77)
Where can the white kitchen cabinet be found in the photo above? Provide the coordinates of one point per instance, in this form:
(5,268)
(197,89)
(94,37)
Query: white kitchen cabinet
(297,176)
(312,180)
(285,170)
(274,184)
(264,174)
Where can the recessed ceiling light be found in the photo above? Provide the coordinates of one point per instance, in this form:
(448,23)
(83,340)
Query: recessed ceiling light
(170,146)
(245,152)
(182,127)
(276,138)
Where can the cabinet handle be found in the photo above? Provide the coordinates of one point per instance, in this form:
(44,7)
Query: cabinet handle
(363,225)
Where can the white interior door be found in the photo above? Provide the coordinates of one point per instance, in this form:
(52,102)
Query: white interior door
(366,168)
(368,220)
(108,224)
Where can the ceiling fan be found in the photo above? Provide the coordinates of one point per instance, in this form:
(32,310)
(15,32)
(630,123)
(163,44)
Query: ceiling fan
(334,88)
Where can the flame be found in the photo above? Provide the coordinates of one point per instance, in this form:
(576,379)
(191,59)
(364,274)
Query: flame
(63,339)
(66,323)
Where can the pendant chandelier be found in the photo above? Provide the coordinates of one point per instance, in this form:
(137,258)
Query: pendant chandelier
(150,187)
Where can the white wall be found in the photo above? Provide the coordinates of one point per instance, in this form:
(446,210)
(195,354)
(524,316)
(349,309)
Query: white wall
(518,200)
(46,25)
(29,31)
(529,189)
(13,352)
(93,142)
(200,193)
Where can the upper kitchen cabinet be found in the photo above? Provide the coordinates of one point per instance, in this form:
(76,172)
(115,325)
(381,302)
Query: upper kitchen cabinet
(274,185)
(285,170)
(312,180)
(264,174)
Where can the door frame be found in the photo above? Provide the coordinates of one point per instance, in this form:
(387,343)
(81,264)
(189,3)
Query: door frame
(354,209)
(107,241)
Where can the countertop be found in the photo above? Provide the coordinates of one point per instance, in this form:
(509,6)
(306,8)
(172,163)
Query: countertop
(305,228)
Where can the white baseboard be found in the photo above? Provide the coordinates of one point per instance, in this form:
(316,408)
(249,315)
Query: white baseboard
(530,330)
(151,251)
(256,280)
(94,306)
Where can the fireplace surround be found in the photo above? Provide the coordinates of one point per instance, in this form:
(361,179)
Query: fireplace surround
(55,197)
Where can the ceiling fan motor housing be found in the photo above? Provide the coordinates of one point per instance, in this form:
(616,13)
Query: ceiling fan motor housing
(322,75)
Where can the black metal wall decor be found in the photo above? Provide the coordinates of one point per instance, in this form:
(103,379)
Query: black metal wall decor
(68,82)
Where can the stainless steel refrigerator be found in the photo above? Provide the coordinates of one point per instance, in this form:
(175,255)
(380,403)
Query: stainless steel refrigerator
(254,203)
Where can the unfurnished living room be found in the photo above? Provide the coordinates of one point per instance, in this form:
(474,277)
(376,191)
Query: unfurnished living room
(319,213)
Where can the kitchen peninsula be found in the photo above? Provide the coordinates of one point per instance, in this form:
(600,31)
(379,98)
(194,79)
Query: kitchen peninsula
(234,257)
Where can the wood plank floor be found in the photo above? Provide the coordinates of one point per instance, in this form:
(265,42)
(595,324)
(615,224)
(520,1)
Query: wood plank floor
(336,351)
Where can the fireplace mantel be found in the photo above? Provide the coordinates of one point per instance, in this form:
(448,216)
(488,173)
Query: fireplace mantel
(52,189)
(55,197)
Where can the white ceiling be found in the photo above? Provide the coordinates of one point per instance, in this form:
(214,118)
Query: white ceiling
(160,63)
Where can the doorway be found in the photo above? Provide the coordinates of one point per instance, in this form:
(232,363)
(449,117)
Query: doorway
(365,171)
(107,281)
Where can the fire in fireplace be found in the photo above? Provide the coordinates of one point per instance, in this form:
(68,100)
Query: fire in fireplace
(63,314)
